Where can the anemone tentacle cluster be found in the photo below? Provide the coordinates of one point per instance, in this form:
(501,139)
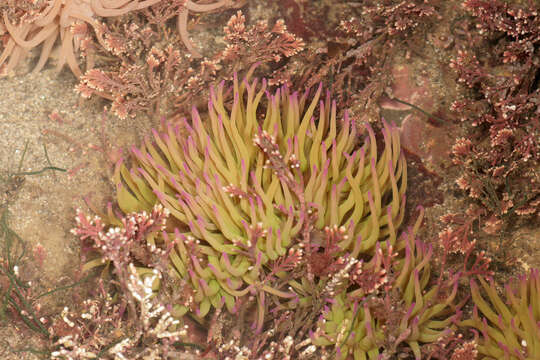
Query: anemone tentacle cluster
(509,329)
(234,211)
(409,313)
(42,22)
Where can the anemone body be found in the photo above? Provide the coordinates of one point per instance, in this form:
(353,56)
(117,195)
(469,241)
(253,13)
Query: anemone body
(242,181)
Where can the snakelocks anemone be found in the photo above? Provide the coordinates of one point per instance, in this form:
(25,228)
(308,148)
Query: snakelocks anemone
(509,329)
(272,200)
(243,182)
